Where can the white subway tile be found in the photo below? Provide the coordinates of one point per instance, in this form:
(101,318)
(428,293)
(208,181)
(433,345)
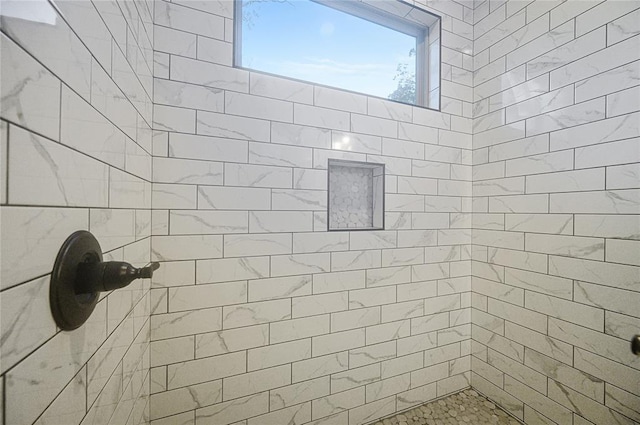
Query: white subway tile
(320,366)
(234,410)
(280,221)
(186,95)
(173,325)
(268,289)
(257,244)
(212,50)
(230,269)
(255,313)
(230,340)
(603,202)
(622,152)
(277,354)
(336,342)
(257,381)
(338,402)
(617,275)
(188,19)
(320,304)
(43,172)
(231,126)
(601,61)
(321,117)
(280,88)
(547,284)
(207,148)
(257,107)
(609,226)
(298,328)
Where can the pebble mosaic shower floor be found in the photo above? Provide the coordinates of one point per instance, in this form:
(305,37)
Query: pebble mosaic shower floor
(464,408)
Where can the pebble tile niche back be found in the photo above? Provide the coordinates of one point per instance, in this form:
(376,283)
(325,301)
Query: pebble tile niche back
(356,195)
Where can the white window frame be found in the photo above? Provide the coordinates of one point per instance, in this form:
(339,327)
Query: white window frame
(393,14)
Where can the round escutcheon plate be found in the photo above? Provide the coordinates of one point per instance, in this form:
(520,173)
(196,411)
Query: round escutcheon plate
(70,310)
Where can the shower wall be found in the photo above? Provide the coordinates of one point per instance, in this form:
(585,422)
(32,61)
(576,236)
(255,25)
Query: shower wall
(556,195)
(75,137)
(261,316)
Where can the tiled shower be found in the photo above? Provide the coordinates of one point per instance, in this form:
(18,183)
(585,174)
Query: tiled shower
(508,258)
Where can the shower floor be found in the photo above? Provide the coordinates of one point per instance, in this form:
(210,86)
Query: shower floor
(464,408)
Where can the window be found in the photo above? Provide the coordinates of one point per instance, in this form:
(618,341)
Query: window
(383,48)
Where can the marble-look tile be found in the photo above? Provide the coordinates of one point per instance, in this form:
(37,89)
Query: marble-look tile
(268,289)
(50,40)
(173,325)
(26,322)
(294,415)
(216,51)
(173,170)
(234,410)
(257,176)
(304,178)
(30,93)
(258,107)
(278,354)
(599,15)
(79,119)
(30,244)
(340,402)
(174,196)
(61,357)
(184,399)
(623,27)
(568,181)
(608,82)
(230,340)
(204,296)
(253,245)
(624,102)
(67,407)
(601,61)
(571,116)
(188,19)
(573,50)
(279,155)
(590,248)
(301,135)
(611,129)
(542,163)
(185,95)
(253,382)
(207,369)
(207,148)
(230,126)
(175,42)
(233,198)
(173,248)
(548,284)
(622,251)
(256,313)
(208,74)
(280,221)
(321,117)
(280,88)
(230,269)
(109,100)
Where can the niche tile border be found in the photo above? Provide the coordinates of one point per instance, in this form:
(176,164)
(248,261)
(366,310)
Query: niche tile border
(376,186)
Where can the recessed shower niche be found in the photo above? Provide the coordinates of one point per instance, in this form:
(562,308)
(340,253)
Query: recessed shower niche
(356,195)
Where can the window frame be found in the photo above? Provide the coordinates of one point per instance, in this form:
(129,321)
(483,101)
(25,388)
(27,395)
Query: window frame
(364,9)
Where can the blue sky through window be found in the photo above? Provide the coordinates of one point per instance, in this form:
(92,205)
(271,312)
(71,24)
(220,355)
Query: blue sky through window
(309,41)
